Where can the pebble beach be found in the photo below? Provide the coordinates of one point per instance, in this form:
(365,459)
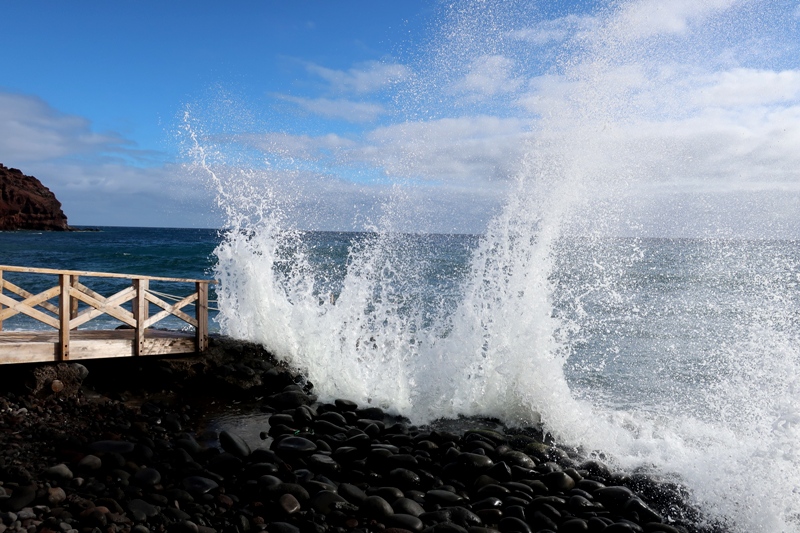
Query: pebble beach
(125,446)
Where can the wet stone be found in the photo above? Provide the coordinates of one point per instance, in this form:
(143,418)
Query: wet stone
(234,444)
(90,462)
(282,527)
(351,493)
(558,481)
(295,446)
(199,484)
(147,477)
(376,507)
(405,506)
(60,472)
(443,497)
(324,501)
(573,525)
(288,504)
(404,521)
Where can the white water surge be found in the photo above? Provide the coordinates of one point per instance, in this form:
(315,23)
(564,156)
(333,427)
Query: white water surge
(679,356)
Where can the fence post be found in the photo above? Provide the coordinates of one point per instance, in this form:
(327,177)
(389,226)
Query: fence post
(73,308)
(64,307)
(201,313)
(140,312)
(1,305)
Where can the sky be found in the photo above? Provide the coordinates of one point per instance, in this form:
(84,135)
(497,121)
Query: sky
(413,115)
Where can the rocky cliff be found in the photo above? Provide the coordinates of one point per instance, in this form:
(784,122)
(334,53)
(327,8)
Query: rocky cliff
(27,204)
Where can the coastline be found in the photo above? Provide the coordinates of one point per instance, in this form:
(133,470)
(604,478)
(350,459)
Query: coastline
(125,447)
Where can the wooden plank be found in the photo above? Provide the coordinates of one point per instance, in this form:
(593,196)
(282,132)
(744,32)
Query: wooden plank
(19,291)
(14,307)
(32,270)
(125,295)
(28,347)
(173,309)
(73,309)
(140,312)
(201,315)
(121,314)
(65,304)
(2,288)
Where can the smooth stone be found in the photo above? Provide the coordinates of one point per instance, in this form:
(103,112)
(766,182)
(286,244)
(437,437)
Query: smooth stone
(579,504)
(621,527)
(513,457)
(137,506)
(295,446)
(589,485)
(325,501)
(351,493)
(147,477)
(490,516)
(21,498)
(558,481)
(474,461)
(112,446)
(199,484)
(376,507)
(443,497)
(573,525)
(491,502)
(445,527)
(56,495)
(335,418)
(323,464)
(539,521)
(500,471)
(498,491)
(234,444)
(90,462)
(645,513)
(345,405)
(324,427)
(298,491)
(289,504)
(282,527)
(405,478)
(390,494)
(371,413)
(404,521)
(464,517)
(613,497)
(479,529)
(289,400)
(60,472)
(514,511)
(405,506)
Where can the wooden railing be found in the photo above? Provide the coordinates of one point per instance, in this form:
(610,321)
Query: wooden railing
(65,312)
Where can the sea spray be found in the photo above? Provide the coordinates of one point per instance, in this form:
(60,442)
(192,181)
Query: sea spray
(676,356)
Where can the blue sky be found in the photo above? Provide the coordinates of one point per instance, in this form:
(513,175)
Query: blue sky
(351,111)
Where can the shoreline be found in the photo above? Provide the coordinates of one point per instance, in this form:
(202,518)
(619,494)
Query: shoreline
(126,447)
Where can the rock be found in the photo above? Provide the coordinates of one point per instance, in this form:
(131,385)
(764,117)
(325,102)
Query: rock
(295,446)
(282,527)
(376,507)
(234,444)
(21,498)
(199,484)
(288,504)
(112,446)
(60,472)
(90,462)
(27,204)
(147,477)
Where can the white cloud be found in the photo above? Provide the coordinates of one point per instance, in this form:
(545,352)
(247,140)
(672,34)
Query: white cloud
(348,110)
(33,130)
(475,150)
(370,77)
(750,87)
(646,18)
(489,75)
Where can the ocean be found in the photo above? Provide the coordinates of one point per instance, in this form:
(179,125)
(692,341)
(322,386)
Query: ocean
(675,357)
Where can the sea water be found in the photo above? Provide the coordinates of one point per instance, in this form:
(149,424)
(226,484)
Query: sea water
(660,332)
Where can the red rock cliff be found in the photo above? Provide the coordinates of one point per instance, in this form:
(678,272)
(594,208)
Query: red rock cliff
(27,204)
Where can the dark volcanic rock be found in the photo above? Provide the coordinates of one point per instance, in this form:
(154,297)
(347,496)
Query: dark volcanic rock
(27,204)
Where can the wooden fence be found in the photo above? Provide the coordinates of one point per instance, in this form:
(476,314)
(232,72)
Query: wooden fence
(70,304)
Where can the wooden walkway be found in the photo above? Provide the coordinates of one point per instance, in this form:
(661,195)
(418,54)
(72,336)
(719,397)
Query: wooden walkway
(70,304)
